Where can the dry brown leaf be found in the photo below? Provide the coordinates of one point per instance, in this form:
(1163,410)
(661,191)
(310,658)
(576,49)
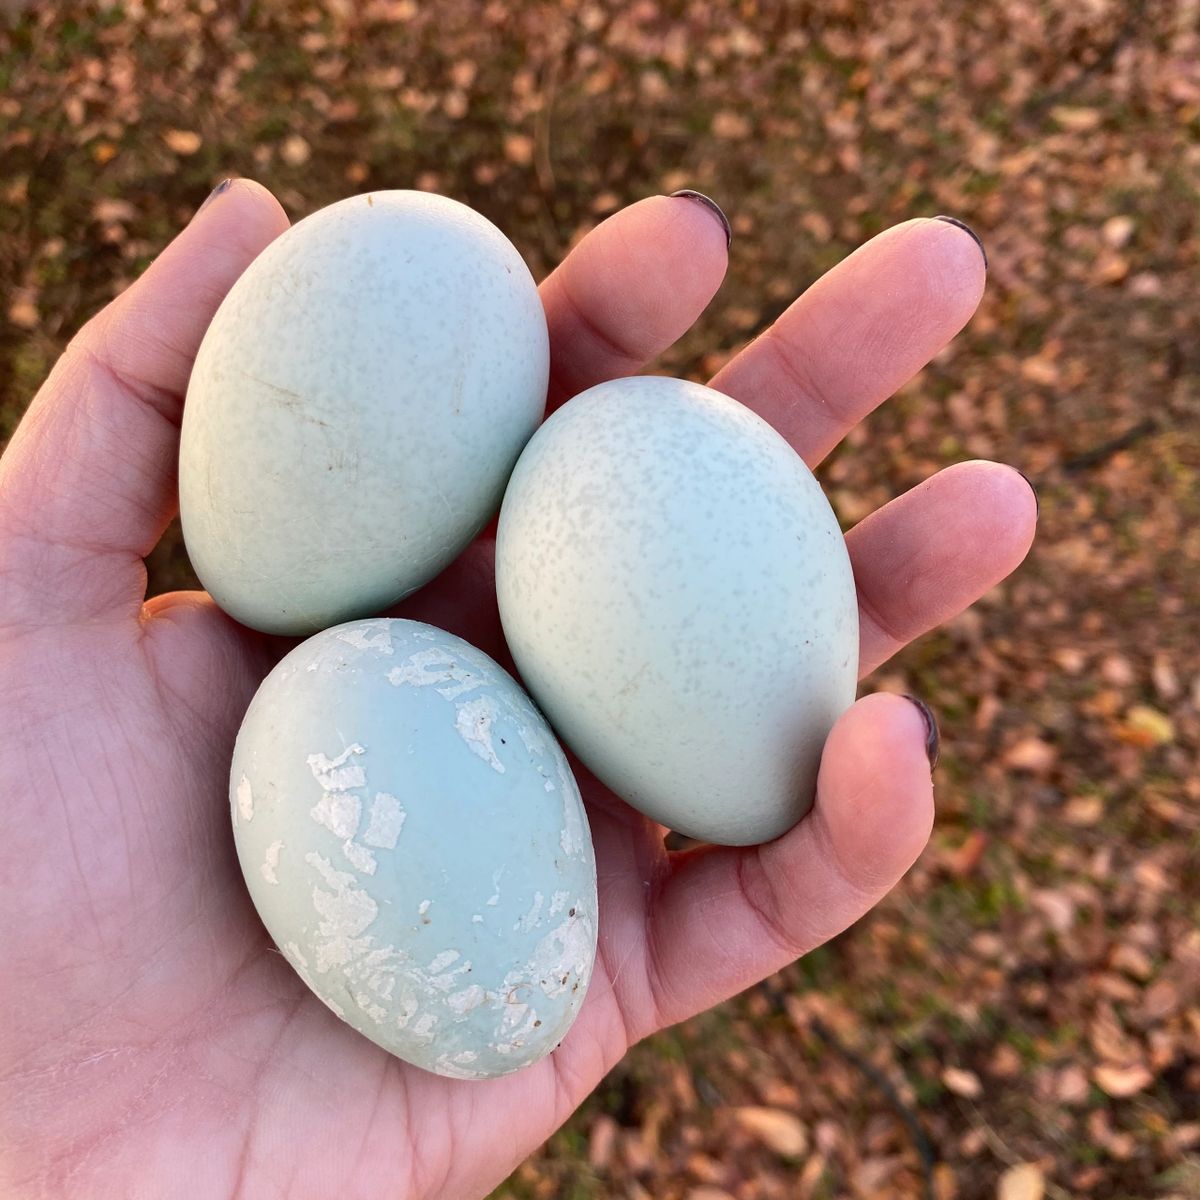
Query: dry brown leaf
(1083,810)
(778,1130)
(1056,906)
(518,149)
(1077,120)
(1030,754)
(1117,231)
(945,1185)
(295,151)
(730,126)
(1147,727)
(113,210)
(964,859)
(182,141)
(601,1141)
(962,1083)
(1025,1181)
(22,311)
(1121,1082)
(1071,1085)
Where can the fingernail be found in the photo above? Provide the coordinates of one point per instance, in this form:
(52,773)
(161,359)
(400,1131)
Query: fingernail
(966,229)
(223,186)
(713,207)
(933,739)
(1037,503)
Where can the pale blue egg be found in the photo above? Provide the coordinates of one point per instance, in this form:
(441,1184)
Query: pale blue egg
(356,407)
(678,598)
(415,843)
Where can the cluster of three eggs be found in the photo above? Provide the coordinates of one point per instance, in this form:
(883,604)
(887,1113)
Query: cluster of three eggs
(673,588)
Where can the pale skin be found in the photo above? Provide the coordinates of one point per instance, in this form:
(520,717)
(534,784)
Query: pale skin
(152,1042)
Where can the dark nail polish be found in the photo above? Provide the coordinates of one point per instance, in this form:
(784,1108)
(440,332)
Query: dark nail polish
(933,739)
(713,207)
(1037,503)
(966,229)
(223,186)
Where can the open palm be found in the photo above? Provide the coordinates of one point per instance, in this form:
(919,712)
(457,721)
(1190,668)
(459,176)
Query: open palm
(152,1041)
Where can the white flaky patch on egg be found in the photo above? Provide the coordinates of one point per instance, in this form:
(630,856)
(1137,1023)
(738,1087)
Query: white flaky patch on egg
(429,668)
(385,822)
(464,1001)
(346,911)
(339,774)
(563,957)
(572,839)
(245,800)
(533,917)
(339,812)
(359,857)
(368,635)
(271,862)
(474,720)
(295,956)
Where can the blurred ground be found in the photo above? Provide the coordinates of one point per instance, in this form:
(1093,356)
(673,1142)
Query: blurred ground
(1023,1016)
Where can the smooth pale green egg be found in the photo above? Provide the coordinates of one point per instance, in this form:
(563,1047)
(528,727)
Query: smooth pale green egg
(678,598)
(415,843)
(356,407)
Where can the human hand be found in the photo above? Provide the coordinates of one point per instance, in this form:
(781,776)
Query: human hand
(153,1043)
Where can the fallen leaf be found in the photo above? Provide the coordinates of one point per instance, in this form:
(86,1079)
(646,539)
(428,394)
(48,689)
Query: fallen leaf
(962,1083)
(295,151)
(22,311)
(730,126)
(1121,1082)
(1071,1086)
(601,1140)
(776,1129)
(1147,727)
(518,149)
(1030,754)
(182,141)
(1117,231)
(1025,1181)
(113,210)
(945,1186)
(963,860)
(1077,120)
(1056,906)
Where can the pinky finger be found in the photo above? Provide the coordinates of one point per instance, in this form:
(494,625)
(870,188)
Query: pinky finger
(729,917)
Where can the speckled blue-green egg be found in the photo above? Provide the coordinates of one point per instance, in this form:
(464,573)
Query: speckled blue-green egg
(678,598)
(356,407)
(415,843)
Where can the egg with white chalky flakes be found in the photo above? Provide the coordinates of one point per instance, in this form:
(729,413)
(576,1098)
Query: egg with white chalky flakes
(355,409)
(415,844)
(678,598)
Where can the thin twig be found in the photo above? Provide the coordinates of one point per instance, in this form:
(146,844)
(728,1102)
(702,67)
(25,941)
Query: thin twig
(907,1115)
(1098,454)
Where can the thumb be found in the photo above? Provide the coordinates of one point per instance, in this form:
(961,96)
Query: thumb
(88,483)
